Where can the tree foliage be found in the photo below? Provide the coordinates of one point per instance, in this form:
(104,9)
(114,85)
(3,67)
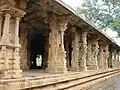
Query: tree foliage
(104,13)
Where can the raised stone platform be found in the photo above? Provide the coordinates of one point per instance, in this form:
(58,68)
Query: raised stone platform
(89,80)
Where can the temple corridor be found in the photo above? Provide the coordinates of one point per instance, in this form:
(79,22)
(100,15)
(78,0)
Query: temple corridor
(46,45)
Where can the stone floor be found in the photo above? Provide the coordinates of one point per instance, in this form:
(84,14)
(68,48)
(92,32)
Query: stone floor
(35,73)
(114,86)
(117,85)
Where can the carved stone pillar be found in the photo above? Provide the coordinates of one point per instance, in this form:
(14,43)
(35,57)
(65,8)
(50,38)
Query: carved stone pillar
(5,37)
(89,55)
(113,58)
(83,52)
(57,54)
(62,24)
(5,48)
(16,57)
(68,47)
(16,38)
(9,52)
(75,51)
(100,57)
(103,56)
(106,55)
(1,22)
(110,65)
(93,49)
(117,59)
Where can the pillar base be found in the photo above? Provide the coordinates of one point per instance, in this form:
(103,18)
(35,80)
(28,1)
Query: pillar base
(9,74)
(57,70)
(92,67)
(83,69)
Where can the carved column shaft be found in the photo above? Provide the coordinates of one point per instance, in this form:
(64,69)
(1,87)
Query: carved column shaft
(62,24)
(117,56)
(93,49)
(10,45)
(95,54)
(16,33)
(16,56)
(4,44)
(1,21)
(6,26)
(17,19)
(75,51)
(103,56)
(83,52)
(100,57)
(106,55)
(89,55)
(57,54)
(113,58)
(5,41)
(117,60)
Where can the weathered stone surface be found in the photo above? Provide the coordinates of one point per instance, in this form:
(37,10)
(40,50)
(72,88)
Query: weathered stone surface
(56,58)
(23,51)
(9,42)
(92,54)
(75,52)
(87,53)
(70,81)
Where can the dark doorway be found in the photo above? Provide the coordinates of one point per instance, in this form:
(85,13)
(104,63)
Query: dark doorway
(37,49)
(70,52)
(68,48)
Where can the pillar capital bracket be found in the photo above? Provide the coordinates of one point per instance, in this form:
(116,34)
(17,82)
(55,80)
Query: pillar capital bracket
(62,24)
(14,12)
(73,29)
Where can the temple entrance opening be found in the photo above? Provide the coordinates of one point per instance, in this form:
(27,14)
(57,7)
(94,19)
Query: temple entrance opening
(37,49)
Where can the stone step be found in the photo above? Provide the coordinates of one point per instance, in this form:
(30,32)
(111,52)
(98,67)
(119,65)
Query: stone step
(58,81)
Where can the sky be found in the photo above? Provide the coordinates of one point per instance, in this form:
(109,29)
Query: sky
(109,32)
(73,3)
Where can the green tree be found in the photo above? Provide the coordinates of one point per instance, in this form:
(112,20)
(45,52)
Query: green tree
(104,13)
